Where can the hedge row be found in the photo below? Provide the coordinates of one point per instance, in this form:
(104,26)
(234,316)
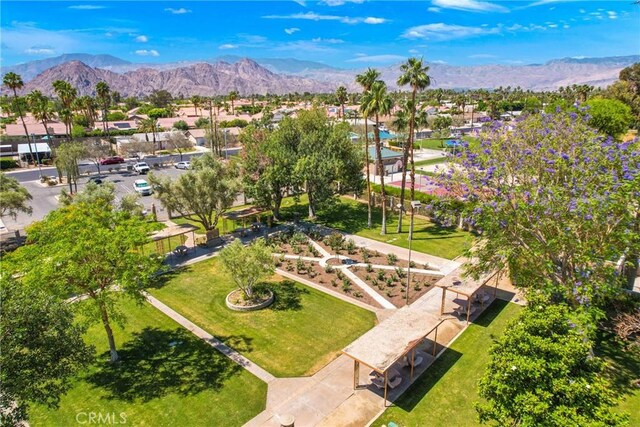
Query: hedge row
(7,163)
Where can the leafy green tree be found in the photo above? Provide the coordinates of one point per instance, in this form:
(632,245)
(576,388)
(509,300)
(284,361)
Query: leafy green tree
(149,125)
(268,163)
(247,265)
(13,197)
(67,157)
(131,103)
(414,74)
(95,151)
(78,131)
(631,75)
(203,193)
(556,203)
(157,113)
(542,373)
(202,122)
(609,116)
(160,98)
(327,163)
(376,102)
(181,125)
(624,92)
(116,116)
(42,349)
(89,249)
(366,80)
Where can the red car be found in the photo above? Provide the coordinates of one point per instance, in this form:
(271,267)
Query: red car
(112,160)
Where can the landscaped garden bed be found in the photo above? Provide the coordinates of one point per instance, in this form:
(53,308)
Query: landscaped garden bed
(392,284)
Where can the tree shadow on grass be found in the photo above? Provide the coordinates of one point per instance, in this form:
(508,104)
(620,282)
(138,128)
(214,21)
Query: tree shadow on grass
(157,362)
(622,362)
(163,279)
(288,295)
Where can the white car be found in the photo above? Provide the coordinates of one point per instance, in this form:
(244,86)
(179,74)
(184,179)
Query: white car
(183,165)
(141,167)
(142,187)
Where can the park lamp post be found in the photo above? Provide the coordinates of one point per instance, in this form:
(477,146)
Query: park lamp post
(33,135)
(226,153)
(415,204)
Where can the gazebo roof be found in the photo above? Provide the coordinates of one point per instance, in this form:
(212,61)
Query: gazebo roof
(464,286)
(393,338)
(173,230)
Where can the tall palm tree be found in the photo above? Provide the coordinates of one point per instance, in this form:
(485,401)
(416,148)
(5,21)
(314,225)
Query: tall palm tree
(414,73)
(14,82)
(366,80)
(66,93)
(232,96)
(197,102)
(341,97)
(150,125)
(376,102)
(103,94)
(41,109)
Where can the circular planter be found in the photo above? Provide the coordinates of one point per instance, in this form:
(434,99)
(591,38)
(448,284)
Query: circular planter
(270,297)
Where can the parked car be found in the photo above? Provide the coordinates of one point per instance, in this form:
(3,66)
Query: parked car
(142,187)
(112,160)
(183,165)
(141,167)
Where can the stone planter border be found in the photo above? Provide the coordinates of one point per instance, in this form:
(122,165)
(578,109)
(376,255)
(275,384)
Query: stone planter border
(254,307)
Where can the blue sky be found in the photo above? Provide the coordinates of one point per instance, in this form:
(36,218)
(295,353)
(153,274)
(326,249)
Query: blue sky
(343,33)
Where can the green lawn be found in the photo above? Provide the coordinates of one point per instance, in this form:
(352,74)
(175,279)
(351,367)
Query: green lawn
(436,161)
(166,377)
(296,336)
(445,393)
(431,143)
(351,216)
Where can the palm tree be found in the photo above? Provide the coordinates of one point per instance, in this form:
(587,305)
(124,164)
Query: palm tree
(66,93)
(149,125)
(41,109)
(377,102)
(414,73)
(103,93)
(341,97)
(232,96)
(197,102)
(14,82)
(366,80)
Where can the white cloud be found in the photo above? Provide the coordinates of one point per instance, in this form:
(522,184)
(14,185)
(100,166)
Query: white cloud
(329,41)
(142,39)
(414,51)
(612,14)
(301,2)
(434,9)
(442,31)
(378,58)
(552,25)
(565,26)
(339,2)
(438,61)
(228,46)
(291,30)
(180,11)
(312,16)
(582,11)
(145,52)
(470,5)
(374,21)
(39,51)
(86,7)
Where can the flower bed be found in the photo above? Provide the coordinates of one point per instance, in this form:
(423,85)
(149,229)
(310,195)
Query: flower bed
(392,285)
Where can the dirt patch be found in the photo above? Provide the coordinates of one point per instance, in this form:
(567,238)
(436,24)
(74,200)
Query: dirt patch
(392,285)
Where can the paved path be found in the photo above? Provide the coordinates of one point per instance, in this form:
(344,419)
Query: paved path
(211,340)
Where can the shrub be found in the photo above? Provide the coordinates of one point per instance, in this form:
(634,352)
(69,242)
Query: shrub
(350,246)
(365,254)
(116,116)
(390,282)
(329,269)
(389,294)
(201,240)
(381,275)
(346,285)
(334,283)
(369,268)
(412,264)
(296,249)
(181,125)
(374,282)
(202,122)
(400,273)
(417,287)
(300,266)
(392,259)
(367,278)
(357,294)
(334,241)
(7,163)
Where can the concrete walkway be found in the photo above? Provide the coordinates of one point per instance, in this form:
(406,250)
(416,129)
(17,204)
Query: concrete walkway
(211,340)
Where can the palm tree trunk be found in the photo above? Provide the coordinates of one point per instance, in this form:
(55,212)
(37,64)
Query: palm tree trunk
(24,125)
(366,151)
(413,163)
(107,328)
(405,159)
(383,230)
(343,118)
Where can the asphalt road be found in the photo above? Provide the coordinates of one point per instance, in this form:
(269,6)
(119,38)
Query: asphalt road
(45,197)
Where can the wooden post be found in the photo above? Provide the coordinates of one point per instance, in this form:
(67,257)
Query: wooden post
(468,308)
(386,377)
(444,294)
(356,373)
(435,342)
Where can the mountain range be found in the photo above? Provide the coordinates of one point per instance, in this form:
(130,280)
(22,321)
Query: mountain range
(283,75)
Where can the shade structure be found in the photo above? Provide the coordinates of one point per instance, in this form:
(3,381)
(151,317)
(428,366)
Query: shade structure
(467,286)
(393,338)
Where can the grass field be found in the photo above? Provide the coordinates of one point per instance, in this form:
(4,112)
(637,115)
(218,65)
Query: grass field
(166,377)
(444,394)
(300,333)
(436,161)
(351,216)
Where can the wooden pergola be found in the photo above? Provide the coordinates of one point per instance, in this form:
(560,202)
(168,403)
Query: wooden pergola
(172,231)
(243,214)
(467,287)
(385,344)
